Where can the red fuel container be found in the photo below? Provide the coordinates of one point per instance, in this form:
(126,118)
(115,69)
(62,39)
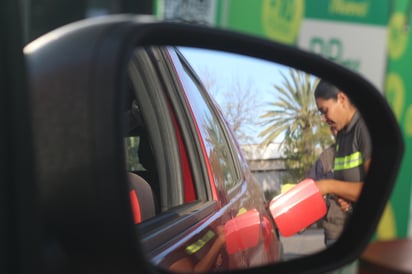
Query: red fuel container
(298,208)
(243,231)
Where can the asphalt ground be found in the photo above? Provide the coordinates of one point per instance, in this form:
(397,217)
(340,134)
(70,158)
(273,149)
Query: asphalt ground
(307,242)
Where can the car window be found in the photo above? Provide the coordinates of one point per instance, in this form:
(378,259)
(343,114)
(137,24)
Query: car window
(211,129)
(132,157)
(152,146)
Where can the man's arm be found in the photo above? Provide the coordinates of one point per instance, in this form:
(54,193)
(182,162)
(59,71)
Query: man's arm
(347,190)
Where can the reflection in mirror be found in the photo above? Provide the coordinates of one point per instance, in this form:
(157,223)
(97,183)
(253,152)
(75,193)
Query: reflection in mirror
(244,162)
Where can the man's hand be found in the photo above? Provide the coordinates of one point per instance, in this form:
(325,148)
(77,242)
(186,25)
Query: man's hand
(345,205)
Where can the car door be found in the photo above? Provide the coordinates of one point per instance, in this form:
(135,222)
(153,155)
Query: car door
(201,183)
(234,185)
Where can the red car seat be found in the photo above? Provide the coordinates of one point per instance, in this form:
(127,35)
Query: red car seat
(141,198)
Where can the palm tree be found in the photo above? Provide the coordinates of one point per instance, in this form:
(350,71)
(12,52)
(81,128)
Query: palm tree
(294,116)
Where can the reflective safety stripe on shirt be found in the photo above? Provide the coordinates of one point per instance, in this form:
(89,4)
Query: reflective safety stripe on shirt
(196,246)
(347,162)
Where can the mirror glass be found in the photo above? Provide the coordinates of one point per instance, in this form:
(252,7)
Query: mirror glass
(212,136)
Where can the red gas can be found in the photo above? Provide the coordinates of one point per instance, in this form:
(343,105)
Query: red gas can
(298,208)
(243,231)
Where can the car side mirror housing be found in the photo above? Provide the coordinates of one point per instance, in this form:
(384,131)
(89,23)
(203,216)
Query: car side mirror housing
(100,50)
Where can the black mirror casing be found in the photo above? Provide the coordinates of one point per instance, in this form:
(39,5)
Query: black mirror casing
(75,73)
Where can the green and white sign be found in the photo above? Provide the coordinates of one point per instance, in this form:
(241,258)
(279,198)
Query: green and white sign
(398,87)
(351,33)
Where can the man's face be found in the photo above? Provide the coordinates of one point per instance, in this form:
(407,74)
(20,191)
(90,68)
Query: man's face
(333,112)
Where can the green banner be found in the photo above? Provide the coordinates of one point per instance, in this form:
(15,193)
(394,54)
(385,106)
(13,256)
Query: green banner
(351,11)
(277,19)
(398,83)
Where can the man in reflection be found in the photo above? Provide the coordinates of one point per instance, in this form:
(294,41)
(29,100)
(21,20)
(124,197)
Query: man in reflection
(323,167)
(352,157)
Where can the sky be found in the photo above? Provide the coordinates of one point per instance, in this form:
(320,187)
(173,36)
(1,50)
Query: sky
(225,68)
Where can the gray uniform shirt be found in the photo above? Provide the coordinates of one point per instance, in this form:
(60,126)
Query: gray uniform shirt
(353,149)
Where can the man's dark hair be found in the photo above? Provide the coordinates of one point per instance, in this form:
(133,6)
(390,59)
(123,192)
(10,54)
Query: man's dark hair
(326,90)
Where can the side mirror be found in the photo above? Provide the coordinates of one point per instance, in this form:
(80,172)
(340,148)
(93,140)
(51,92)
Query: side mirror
(78,81)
